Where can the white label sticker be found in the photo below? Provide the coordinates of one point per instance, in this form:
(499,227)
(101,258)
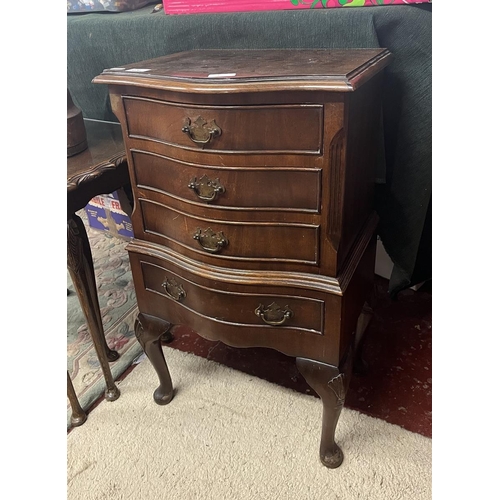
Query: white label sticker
(221,75)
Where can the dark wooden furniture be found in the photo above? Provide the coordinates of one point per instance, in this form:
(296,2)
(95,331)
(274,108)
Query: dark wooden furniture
(253,175)
(99,169)
(76,134)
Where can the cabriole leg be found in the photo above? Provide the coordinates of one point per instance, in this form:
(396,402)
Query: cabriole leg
(78,415)
(81,270)
(149,331)
(360,366)
(331,386)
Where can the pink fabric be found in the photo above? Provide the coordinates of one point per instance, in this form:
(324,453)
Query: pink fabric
(208,6)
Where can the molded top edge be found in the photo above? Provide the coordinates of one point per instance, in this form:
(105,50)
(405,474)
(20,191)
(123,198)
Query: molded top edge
(262,69)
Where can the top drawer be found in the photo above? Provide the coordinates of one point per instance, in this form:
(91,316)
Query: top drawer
(290,128)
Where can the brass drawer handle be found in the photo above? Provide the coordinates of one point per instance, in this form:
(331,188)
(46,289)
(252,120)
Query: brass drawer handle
(200,131)
(210,241)
(205,188)
(174,290)
(273,314)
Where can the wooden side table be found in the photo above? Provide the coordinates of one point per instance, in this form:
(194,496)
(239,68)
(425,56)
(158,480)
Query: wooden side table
(100,169)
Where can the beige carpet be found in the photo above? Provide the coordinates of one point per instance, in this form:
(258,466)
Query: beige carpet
(227,435)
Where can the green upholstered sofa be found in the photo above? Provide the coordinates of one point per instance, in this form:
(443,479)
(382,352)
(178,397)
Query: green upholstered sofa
(102,40)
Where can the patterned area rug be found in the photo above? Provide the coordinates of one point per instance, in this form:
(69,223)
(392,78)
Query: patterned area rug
(118,310)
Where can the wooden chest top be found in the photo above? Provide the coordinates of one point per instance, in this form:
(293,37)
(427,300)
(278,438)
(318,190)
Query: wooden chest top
(238,70)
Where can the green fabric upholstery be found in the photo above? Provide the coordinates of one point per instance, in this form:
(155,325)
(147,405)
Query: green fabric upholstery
(103,40)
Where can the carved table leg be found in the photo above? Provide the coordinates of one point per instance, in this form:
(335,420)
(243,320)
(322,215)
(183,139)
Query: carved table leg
(149,331)
(78,416)
(81,269)
(331,386)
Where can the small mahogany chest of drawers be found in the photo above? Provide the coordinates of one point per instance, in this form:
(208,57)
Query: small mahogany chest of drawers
(253,176)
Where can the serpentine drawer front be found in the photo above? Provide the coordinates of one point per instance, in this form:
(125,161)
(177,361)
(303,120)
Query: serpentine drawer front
(253,179)
(274,188)
(231,240)
(226,129)
(259,307)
